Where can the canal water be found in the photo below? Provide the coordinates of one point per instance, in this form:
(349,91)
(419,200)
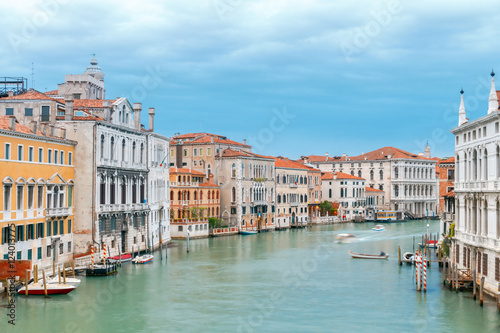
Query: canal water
(283,281)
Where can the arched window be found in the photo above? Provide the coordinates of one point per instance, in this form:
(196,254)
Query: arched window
(284,179)
(279,198)
(381,174)
(133,152)
(359,173)
(141,156)
(396,173)
(123,150)
(201,195)
(233,194)
(208,195)
(171,195)
(396,190)
(179,195)
(330,192)
(102,146)
(217,199)
(233,170)
(213,194)
(195,196)
(372,175)
(485,177)
(112,150)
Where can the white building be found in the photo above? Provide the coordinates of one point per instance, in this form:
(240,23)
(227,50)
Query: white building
(477,193)
(347,190)
(409,180)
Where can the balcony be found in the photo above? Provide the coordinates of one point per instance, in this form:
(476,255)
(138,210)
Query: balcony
(259,203)
(294,204)
(310,185)
(188,184)
(293,185)
(57,211)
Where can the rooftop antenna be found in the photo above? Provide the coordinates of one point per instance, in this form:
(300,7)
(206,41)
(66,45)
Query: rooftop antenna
(33,75)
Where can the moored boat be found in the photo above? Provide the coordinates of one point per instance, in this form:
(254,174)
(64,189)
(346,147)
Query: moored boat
(52,289)
(144,259)
(126,257)
(408,256)
(378,227)
(430,244)
(248,232)
(70,281)
(368,256)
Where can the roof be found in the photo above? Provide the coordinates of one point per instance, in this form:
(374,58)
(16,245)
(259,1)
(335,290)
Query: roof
(52,92)
(31,94)
(320,158)
(184,170)
(384,153)
(5,125)
(201,138)
(450,160)
(228,152)
(450,194)
(90,103)
(339,175)
(283,162)
(374,190)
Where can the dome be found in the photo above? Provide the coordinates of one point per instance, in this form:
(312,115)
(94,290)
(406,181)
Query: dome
(94,67)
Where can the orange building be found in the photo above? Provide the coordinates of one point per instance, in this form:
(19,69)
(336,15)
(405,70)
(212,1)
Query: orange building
(446,173)
(37,172)
(192,202)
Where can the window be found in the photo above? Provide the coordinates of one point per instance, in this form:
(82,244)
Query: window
(45,113)
(39,230)
(61,248)
(49,156)
(49,228)
(7,151)
(69,227)
(62,157)
(30,251)
(39,202)
(185,152)
(19,233)
(61,227)
(30,154)
(201,151)
(171,152)
(209,151)
(112,150)
(56,156)
(31,196)
(20,197)
(49,251)
(39,253)
(20,154)
(28,112)
(6,196)
(195,152)
(9,111)
(54,229)
(70,158)
(70,195)
(40,155)
(31,231)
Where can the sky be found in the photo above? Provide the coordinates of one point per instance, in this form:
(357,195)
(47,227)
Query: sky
(292,77)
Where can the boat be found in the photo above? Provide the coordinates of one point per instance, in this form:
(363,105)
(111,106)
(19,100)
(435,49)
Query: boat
(346,238)
(378,227)
(430,244)
(248,232)
(71,281)
(101,270)
(52,289)
(408,256)
(368,256)
(126,257)
(383,215)
(144,259)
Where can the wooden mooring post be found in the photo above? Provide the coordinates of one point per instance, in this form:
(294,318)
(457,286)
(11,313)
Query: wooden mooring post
(8,291)
(44,283)
(481,291)
(498,298)
(474,285)
(429,256)
(399,255)
(26,280)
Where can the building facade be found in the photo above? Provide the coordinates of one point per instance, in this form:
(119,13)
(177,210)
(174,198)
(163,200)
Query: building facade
(446,172)
(348,191)
(38,189)
(476,244)
(314,197)
(192,202)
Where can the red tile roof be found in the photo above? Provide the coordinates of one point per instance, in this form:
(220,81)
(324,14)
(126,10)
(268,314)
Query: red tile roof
(339,175)
(90,103)
(201,138)
(321,158)
(283,162)
(371,189)
(31,94)
(5,125)
(239,153)
(383,154)
(184,170)
(448,160)
(52,92)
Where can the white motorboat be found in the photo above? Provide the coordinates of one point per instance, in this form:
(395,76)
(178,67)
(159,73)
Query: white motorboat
(71,281)
(382,255)
(378,227)
(346,238)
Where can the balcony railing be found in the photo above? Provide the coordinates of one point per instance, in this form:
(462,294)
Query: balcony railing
(194,184)
(293,185)
(294,204)
(58,211)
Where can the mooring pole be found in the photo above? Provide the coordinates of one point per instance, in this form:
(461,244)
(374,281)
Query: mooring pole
(481,291)
(399,255)
(187,241)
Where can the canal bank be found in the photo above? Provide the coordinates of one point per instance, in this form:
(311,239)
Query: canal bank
(294,280)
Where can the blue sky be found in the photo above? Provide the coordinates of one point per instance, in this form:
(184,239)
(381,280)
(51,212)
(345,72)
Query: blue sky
(292,77)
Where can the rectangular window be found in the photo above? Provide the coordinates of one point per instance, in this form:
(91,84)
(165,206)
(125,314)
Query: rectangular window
(201,151)
(39,230)
(112,223)
(49,228)
(70,196)
(56,156)
(19,253)
(30,254)
(62,157)
(209,151)
(185,152)
(31,196)
(40,155)
(31,231)
(61,248)
(7,151)
(54,229)
(61,227)
(28,112)
(69,246)
(9,111)
(20,233)
(30,154)
(172,153)
(39,201)
(485,264)
(195,152)
(20,198)
(49,156)
(49,251)
(70,158)
(45,113)
(20,156)
(39,253)
(69,231)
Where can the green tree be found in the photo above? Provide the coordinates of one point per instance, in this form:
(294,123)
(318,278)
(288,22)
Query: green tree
(326,206)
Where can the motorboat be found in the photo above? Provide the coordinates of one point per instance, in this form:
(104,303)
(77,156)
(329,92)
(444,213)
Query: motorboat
(382,255)
(52,289)
(346,238)
(71,281)
(144,259)
(378,227)
(126,257)
(429,244)
(248,232)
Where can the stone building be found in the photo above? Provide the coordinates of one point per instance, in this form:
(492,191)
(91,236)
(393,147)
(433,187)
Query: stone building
(446,176)
(476,244)
(348,191)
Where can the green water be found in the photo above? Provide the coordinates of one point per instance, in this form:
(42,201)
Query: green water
(287,281)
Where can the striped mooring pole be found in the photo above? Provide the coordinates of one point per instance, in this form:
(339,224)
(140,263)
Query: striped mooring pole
(92,256)
(425,274)
(104,253)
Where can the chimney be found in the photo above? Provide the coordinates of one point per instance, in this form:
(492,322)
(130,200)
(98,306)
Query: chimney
(44,131)
(137,116)
(211,178)
(10,93)
(63,132)
(151,119)
(68,108)
(12,124)
(35,127)
(326,156)
(211,139)
(52,127)
(244,141)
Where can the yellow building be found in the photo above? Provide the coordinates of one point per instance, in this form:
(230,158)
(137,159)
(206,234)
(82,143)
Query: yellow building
(37,193)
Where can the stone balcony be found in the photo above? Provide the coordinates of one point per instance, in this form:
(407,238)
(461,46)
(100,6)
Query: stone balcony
(58,211)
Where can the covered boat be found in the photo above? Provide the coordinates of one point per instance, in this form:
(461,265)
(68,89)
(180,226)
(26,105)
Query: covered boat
(124,258)
(144,259)
(368,256)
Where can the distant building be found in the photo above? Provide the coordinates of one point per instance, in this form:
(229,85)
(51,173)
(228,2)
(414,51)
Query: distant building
(192,202)
(409,180)
(347,190)
(314,197)
(446,172)
(476,244)
(38,195)
(375,201)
